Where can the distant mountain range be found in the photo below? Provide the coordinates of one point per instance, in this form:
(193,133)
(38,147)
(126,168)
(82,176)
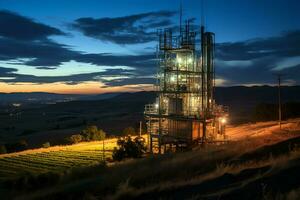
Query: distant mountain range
(48,98)
(61,115)
(34,97)
(256,94)
(223,95)
(231,96)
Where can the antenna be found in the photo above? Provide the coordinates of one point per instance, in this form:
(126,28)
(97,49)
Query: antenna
(180,17)
(202,12)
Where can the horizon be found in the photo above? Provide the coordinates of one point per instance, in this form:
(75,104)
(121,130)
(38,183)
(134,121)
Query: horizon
(77,48)
(247,86)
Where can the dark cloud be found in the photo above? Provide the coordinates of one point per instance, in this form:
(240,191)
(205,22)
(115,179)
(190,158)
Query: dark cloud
(31,45)
(258,73)
(47,68)
(132,29)
(4,72)
(264,55)
(284,46)
(40,53)
(71,79)
(48,54)
(137,61)
(259,69)
(129,81)
(22,28)
(33,48)
(130,78)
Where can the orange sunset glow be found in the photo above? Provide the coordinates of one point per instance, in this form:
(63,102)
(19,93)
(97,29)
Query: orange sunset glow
(91,87)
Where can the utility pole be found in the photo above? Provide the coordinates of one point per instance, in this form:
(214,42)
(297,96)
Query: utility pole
(140,128)
(279,98)
(103,149)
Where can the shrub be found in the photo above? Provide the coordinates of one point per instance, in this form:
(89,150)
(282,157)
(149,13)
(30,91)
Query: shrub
(19,146)
(46,145)
(129,131)
(23,143)
(92,133)
(2,149)
(118,154)
(128,148)
(74,139)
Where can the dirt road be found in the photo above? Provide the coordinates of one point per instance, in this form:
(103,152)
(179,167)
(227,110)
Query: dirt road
(241,132)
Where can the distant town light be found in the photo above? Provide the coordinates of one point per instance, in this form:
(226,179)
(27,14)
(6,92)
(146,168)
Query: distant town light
(156,105)
(16,104)
(190,60)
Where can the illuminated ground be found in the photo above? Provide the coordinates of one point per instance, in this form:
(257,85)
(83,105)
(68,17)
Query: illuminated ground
(61,158)
(253,130)
(54,159)
(261,162)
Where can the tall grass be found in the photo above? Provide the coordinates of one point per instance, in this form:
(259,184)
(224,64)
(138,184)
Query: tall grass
(171,173)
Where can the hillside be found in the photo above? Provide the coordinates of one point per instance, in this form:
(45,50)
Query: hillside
(260,162)
(114,112)
(56,159)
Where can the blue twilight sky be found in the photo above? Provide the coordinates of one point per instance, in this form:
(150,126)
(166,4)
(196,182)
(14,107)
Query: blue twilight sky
(95,46)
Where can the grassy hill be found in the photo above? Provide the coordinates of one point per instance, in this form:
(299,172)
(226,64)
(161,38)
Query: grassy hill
(260,162)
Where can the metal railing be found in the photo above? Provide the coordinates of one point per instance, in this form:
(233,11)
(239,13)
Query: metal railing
(151,109)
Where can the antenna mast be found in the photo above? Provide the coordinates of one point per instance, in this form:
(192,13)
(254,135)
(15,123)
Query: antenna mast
(180,17)
(202,12)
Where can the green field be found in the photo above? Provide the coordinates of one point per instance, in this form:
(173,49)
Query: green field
(54,159)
